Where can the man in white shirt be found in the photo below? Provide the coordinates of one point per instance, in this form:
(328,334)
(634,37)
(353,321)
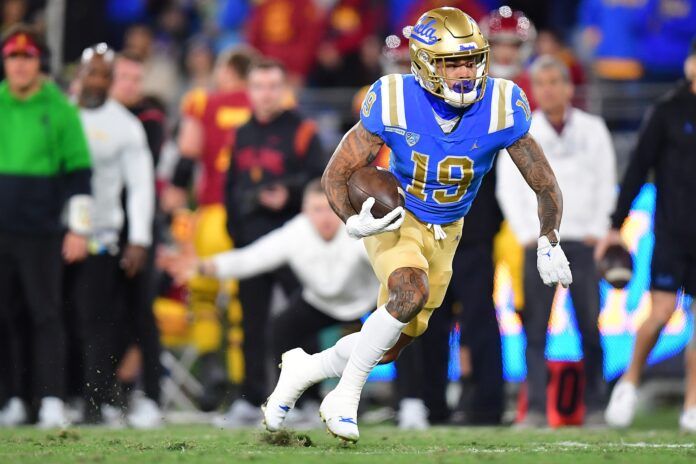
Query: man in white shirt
(338,286)
(121,160)
(579,149)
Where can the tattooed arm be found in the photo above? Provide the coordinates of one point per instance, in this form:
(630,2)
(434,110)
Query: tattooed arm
(530,160)
(357,149)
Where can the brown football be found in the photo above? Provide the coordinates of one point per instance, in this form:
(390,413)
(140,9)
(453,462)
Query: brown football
(616,266)
(378,183)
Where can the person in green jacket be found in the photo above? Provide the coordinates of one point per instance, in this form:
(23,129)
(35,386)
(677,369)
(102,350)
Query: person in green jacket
(44,217)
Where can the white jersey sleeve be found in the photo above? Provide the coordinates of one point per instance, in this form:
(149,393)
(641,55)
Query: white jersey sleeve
(263,255)
(138,176)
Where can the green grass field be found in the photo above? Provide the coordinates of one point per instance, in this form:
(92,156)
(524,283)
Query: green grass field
(654,439)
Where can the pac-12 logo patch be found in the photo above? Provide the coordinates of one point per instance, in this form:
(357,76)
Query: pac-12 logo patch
(367,104)
(411,138)
(523,103)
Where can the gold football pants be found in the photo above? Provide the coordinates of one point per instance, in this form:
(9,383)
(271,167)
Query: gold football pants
(210,237)
(414,245)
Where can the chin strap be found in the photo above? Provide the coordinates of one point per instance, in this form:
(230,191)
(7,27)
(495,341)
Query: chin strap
(438,231)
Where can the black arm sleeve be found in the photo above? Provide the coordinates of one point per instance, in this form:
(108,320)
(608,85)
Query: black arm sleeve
(644,157)
(77,182)
(232,203)
(183,172)
(314,162)
(316,158)
(154,129)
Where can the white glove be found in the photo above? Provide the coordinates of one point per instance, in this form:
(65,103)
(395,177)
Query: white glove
(552,264)
(364,224)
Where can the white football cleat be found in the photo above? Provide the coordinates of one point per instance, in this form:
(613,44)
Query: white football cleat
(687,420)
(413,415)
(298,372)
(622,405)
(14,413)
(52,414)
(340,414)
(144,413)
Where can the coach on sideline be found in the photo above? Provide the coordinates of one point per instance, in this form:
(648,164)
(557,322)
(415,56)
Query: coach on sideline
(44,167)
(667,146)
(579,149)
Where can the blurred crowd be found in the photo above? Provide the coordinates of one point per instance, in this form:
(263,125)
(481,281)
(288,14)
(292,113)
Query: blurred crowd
(339,43)
(193,121)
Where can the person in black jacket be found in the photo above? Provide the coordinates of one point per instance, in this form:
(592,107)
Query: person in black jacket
(45,172)
(667,145)
(273,156)
(142,339)
(481,401)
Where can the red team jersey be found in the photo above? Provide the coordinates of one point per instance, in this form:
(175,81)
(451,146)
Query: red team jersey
(219,113)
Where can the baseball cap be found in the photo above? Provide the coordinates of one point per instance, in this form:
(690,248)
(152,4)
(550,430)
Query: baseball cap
(21,42)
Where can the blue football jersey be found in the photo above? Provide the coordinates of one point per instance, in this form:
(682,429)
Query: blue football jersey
(440,173)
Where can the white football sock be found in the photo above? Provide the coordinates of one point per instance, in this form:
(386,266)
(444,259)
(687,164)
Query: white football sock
(379,334)
(333,360)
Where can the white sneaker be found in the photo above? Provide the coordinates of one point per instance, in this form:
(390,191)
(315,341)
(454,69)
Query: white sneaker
(14,413)
(241,414)
(622,405)
(75,410)
(413,415)
(298,369)
(687,421)
(52,414)
(340,414)
(144,413)
(112,416)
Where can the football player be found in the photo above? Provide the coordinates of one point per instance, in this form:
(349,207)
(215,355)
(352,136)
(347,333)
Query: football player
(444,124)
(208,117)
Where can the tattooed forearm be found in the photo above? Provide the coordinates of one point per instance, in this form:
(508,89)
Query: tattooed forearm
(357,149)
(535,169)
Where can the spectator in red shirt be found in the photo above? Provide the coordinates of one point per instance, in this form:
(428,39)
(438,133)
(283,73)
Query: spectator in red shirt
(289,31)
(511,37)
(349,55)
